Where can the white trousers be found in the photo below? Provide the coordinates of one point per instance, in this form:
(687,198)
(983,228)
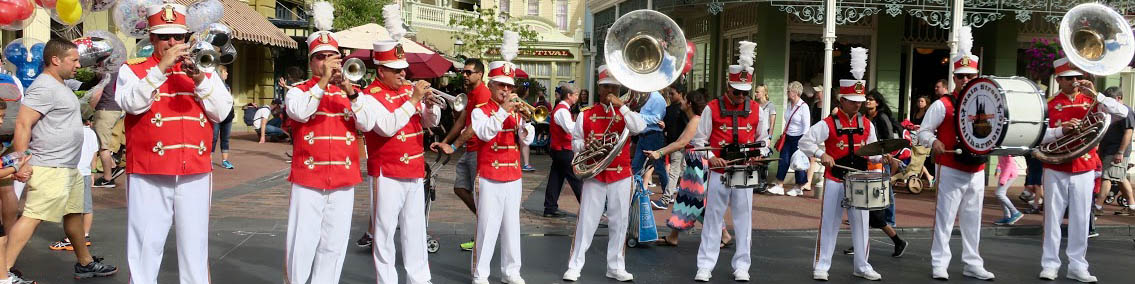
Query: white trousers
(319,227)
(156,202)
(960,194)
(400,203)
(617,198)
(498,213)
(1072,192)
(831,217)
(718,198)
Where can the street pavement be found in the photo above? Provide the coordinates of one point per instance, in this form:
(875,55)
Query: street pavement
(249,220)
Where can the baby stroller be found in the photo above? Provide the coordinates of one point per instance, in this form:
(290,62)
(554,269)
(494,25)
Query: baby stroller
(432,244)
(911,178)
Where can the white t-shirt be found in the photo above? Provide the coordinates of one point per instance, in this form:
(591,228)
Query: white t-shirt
(90,147)
(261,115)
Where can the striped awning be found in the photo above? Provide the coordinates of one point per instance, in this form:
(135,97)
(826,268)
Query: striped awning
(249,25)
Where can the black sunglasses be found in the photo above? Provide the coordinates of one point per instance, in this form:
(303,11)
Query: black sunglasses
(1072,78)
(177,37)
(965,76)
(740,93)
(468,72)
(321,55)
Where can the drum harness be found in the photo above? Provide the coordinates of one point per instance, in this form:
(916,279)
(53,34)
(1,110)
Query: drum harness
(851,160)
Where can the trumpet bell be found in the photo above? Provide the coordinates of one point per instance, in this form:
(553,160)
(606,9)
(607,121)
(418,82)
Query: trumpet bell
(228,54)
(460,102)
(1097,39)
(645,50)
(540,114)
(353,69)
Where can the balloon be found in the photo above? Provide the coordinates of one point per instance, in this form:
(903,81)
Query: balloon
(26,63)
(204,13)
(15,10)
(18,25)
(102,51)
(144,48)
(130,16)
(101,5)
(70,12)
(691,49)
(46,4)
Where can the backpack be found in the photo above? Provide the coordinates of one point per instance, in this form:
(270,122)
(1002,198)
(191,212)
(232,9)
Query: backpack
(250,114)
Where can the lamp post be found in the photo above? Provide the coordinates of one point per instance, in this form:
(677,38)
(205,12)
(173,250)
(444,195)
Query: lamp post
(456,47)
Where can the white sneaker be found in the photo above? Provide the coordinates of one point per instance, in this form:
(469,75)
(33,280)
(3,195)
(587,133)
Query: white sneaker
(621,275)
(571,275)
(741,275)
(480,281)
(820,275)
(776,190)
(1048,274)
(939,273)
(977,272)
(795,192)
(869,275)
(1082,276)
(703,275)
(514,279)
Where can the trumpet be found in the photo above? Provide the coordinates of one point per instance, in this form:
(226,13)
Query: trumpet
(206,47)
(441,98)
(529,112)
(352,70)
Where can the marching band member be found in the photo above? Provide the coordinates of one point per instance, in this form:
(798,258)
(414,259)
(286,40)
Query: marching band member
(170,111)
(611,188)
(733,119)
(560,145)
(498,127)
(1068,186)
(326,113)
(961,182)
(396,165)
(842,133)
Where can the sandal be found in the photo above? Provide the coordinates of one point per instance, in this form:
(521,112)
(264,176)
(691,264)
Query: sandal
(665,241)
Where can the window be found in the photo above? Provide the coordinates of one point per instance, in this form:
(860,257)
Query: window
(533,7)
(504,6)
(562,14)
(563,69)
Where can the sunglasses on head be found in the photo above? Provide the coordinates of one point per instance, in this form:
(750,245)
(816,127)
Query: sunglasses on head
(178,37)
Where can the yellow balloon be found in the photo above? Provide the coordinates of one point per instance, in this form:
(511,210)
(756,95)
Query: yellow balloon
(70,16)
(65,3)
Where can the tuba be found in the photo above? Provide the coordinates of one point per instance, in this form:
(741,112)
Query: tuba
(645,51)
(1098,40)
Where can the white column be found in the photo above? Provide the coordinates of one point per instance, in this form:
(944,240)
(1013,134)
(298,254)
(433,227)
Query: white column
(829,40)
(957,20)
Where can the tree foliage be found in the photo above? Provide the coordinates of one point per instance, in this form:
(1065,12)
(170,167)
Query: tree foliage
(353,13)
(483,32)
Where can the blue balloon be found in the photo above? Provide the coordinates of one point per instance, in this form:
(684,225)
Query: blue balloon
(28,73)
(37,53)
(15,53)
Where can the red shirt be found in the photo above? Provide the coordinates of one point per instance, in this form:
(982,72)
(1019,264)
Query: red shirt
(1061,109)
(172,137)
(478,97)
(722,132)
(837,145)
(499,158)
(325,147)
(595,124)
(561,139)
(401,155)
(948,135)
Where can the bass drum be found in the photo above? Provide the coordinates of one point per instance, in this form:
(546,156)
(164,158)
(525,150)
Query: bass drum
(1001,116)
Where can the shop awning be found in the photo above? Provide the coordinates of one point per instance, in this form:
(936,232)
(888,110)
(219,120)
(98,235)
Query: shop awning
(249,25)
(364,36)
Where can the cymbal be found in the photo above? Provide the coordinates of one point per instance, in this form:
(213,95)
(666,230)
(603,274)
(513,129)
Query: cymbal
(882,147)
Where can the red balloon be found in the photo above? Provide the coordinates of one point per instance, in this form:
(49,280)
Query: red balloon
(23,9)
(46,4)
(7,13)
(690,50)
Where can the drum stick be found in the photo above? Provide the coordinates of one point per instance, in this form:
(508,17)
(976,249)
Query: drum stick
(847,168)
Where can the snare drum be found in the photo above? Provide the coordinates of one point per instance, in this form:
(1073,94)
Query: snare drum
(741,177)
(1001,116)
(867,190)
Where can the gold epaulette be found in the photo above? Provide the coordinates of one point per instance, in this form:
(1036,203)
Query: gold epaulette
(135,61)
(480,104)
(583,109)
(375,90)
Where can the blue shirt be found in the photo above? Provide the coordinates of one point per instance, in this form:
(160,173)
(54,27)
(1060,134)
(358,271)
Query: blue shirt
(653,112)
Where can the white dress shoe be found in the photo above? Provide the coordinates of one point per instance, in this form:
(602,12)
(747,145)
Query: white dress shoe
(1082,276)
(977,272)
(703,275)
(869,275)
(514,279)
(1048,274)
(741,275)
(939,273)
(476,281)
(820,275)
(621,275)
(571,275)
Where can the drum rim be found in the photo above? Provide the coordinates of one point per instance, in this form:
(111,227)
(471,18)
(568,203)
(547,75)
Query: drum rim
(1008,111)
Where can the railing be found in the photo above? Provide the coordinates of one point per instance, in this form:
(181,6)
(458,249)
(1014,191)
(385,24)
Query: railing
(433,17)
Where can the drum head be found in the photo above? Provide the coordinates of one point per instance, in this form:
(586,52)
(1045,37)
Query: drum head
(981,114)
(865,176)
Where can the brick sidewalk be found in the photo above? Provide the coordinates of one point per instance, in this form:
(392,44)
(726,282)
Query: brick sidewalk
(258,189)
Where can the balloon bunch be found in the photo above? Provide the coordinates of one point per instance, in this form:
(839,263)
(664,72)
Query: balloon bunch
(130,16)
(24,58)
(16,14)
